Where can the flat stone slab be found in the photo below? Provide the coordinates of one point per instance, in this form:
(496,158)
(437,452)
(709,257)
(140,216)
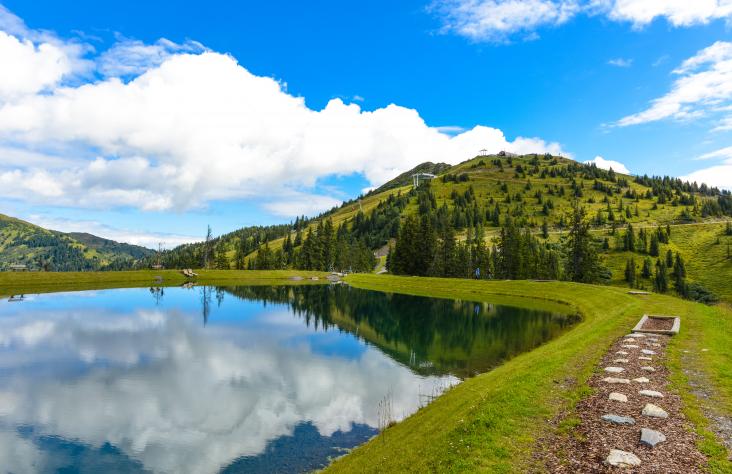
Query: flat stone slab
(620,458)
(651,437)
(630,346)
(654,411)
(619,420)
(655,344)
(614,370)
(648,352)
(621,361)
(648,368)
(645,358)
(651,393)
(641,380)
(617,397)
(640,336)
(622,353)
(615,380)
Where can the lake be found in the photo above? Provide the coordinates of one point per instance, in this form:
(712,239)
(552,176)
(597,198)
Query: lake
(233,379)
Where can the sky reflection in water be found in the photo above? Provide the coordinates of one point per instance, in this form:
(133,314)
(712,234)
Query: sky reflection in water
(245,379)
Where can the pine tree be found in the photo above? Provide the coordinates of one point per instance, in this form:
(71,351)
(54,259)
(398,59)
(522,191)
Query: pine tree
(629,240)
(630,272)
(582,260)
(647,268)
(653,251)
(660,282)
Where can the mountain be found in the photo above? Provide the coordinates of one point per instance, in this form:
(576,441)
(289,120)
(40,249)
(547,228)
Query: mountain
(24,243)
(537,192)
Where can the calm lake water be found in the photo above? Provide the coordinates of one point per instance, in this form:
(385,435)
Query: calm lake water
(232,379)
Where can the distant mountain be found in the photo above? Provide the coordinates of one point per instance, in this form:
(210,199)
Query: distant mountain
(42,249)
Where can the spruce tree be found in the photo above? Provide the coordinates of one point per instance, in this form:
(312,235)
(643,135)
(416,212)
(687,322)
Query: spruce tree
(582,259)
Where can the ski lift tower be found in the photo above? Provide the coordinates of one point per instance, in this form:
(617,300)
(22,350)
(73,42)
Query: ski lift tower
(483,152)
(421,176)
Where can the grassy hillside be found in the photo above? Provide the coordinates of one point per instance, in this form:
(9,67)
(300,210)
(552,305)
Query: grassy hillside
(539,190)
(25,243)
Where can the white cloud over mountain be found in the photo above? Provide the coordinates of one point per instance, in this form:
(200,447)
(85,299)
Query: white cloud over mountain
(167,126)
(602,163)
(500,20)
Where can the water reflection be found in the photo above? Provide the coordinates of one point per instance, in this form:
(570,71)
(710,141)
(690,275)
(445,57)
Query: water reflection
(118,381)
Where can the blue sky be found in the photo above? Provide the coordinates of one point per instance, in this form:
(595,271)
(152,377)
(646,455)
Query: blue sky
(145,121)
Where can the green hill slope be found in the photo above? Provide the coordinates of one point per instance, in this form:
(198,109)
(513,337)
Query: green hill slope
(42,249)
(537,191)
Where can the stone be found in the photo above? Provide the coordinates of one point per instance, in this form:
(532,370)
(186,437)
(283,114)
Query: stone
(641,380)
(630,346)
(620,458)
(648,368)
(618,420)
(654,411)
(615,380)
(614,370)
(645,358)
(655,344)
(648,352)
(622,353)
(651,393)
(621,361)
(651,437)
(635,334)
(618,397)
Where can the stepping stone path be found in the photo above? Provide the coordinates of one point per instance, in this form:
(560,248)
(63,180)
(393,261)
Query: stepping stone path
(623,431)
(619,420)
(651,437)
(655,411)
(651,393)
(615,380)
(620,458)
(618,397)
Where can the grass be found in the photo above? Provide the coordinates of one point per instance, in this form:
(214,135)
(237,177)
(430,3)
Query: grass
(45,282)
(490,423)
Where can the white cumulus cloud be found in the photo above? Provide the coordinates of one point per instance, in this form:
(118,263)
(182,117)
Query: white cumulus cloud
(177,126)
(602,163)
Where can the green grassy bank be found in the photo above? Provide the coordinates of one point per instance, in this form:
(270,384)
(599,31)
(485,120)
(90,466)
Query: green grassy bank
(12,283)
(491,423)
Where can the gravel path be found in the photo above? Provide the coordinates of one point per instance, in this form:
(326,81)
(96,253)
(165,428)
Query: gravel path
(631,422)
